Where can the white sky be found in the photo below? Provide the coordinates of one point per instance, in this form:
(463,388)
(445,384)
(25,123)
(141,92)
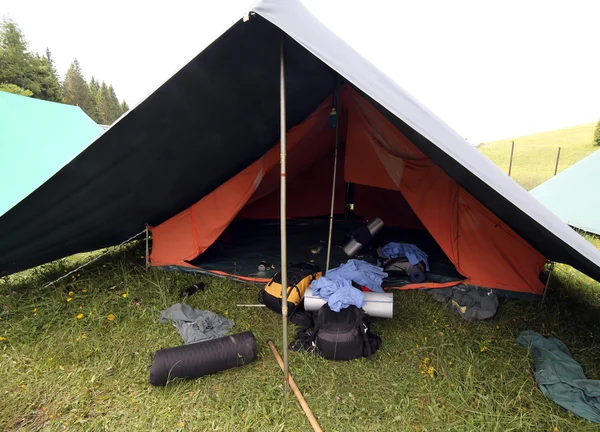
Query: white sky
(489,69)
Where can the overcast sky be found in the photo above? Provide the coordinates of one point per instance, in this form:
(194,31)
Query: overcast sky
(491,69)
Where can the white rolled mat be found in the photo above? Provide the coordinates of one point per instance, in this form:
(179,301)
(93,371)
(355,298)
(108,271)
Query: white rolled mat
(380,305)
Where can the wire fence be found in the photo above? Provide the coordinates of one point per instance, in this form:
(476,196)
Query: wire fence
(529,165)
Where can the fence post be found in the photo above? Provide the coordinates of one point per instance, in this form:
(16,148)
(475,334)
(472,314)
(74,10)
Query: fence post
(512,150)
(557,159)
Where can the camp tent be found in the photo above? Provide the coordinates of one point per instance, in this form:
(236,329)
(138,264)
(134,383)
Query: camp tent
(37,139)
(572,195)
(201,152)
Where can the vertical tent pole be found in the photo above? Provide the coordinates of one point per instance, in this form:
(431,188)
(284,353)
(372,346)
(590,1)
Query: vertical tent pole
(282,140)
(335,159)
(147,249)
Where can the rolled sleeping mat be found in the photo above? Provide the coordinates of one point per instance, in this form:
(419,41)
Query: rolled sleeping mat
(202,358)
(417,275)
(379,305)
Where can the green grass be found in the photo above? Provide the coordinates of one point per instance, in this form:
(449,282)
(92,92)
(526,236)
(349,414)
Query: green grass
(534,157)
(52,378)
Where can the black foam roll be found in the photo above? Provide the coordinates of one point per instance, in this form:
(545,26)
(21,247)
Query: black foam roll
(202,358)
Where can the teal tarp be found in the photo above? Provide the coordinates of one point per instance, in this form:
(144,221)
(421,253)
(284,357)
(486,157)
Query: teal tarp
(560,377)
(573,194)
(37,139)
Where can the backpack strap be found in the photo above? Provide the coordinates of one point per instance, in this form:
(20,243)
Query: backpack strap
(364,329)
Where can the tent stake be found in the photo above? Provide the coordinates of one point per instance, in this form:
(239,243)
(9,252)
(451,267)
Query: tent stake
(547,283)
(147,249)
(335,160)
(282,140)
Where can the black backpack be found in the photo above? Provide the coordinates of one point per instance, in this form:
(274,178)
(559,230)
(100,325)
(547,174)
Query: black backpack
(344,335)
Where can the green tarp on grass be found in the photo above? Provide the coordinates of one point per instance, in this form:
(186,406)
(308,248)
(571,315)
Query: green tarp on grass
(37,139)
(573,194)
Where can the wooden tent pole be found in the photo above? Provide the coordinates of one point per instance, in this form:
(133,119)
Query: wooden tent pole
(147,249)
(311,418)
(283,216)
(335,160)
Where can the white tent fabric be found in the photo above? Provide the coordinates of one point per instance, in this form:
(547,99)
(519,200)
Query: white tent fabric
(296,20)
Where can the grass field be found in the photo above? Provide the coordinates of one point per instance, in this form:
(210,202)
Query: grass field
(534,157)
(81,364)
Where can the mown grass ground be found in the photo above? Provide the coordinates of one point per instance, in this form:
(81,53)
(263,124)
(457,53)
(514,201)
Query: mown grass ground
(66,365)
(534,157)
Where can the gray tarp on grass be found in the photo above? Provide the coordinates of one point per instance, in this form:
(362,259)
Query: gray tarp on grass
(196,325)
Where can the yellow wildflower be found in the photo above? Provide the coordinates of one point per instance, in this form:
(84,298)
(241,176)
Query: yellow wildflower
(78,275)
(23,386)
(34,310)
(180,424)
(484,348)
(111,317)
(79,316)
(430,371)
(191,394)
(125,295)
(83,290)
(83,336)
(71,293)
(69,299)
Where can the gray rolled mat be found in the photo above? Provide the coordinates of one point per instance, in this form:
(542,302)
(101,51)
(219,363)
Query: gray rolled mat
(203,358)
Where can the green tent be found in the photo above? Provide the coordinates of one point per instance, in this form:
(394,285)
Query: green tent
(573,194)
(37,139)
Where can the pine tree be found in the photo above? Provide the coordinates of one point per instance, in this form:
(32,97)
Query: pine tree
(41,72)
(48,56)
(597,134)
(103,105)
(94,89)
(14,57)
(115,106)
(76,90)
(124,107)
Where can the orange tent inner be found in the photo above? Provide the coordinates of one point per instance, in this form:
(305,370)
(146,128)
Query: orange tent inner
(392,179)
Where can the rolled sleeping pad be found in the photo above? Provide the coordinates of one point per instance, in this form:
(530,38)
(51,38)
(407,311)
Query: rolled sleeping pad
(417,275)
(379,305)
(202,358)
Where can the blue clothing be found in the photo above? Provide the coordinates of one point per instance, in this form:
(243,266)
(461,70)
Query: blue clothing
(336,286)
(361,272)
(410,251)
(339,294)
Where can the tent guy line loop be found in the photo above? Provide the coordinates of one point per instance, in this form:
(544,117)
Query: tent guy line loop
(108,250)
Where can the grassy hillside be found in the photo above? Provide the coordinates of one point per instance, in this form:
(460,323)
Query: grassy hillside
(535,155)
